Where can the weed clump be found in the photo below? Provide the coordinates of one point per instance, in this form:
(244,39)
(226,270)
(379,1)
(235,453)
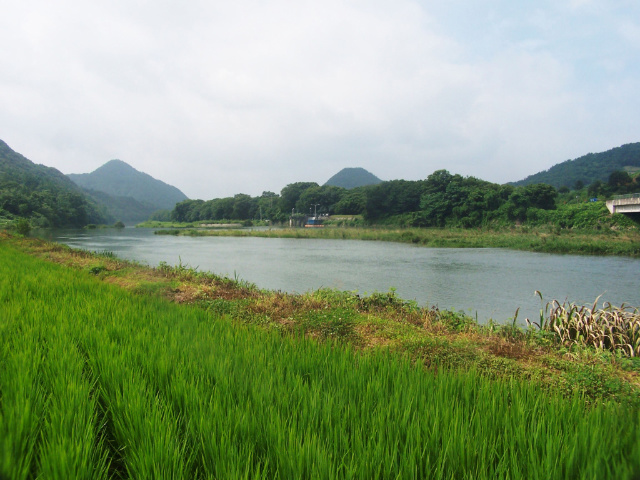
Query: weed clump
(607,328)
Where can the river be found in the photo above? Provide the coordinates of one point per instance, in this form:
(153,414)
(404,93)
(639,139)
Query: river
(487,283)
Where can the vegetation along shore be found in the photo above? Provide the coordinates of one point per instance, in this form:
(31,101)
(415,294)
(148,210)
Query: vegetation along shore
(535,218)
(111,369)
(625,243)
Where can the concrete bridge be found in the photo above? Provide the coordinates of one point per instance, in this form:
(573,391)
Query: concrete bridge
(628,204)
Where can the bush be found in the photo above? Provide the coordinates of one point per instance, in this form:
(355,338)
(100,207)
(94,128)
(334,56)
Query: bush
(23,227)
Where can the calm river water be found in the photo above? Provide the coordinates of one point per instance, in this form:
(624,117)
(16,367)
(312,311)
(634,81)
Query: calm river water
(489,283)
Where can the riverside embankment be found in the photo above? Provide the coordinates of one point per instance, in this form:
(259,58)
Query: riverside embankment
(99,363)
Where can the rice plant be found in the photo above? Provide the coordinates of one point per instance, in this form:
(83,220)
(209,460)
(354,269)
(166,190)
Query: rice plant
(98,383)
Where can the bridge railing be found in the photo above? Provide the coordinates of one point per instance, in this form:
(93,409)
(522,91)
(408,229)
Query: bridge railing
(628,195)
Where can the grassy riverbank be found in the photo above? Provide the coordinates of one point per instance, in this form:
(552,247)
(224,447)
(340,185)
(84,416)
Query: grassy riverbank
(105,376)
(560,241)
(201,224)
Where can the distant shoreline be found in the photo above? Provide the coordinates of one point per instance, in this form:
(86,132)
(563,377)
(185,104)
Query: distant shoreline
(626,244)
(220,225)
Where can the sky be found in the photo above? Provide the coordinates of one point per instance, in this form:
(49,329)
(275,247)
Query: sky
(220,98)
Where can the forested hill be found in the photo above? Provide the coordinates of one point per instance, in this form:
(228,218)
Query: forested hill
(588,168)
(125,209)
(117,178)
(42,194)
(352,178)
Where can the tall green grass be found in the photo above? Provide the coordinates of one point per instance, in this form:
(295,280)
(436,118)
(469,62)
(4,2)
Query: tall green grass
(97,383)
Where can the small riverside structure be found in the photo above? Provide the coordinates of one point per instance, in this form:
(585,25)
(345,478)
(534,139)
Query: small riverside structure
(628,204)
(314,222)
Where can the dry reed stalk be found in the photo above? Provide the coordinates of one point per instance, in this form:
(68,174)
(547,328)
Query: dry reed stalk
(607,328)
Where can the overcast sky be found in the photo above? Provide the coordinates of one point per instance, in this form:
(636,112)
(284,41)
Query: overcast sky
(219,98)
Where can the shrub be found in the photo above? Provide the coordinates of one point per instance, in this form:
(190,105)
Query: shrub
(23,227)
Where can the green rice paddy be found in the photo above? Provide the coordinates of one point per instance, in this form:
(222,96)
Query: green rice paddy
(96,382)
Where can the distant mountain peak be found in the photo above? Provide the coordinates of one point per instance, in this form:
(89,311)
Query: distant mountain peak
(120,166)
(118,178)
(352,177)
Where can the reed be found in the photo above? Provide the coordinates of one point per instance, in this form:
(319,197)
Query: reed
(606,328)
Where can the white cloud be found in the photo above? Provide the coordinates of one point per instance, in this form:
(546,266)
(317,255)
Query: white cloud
(631,32)
(220,98)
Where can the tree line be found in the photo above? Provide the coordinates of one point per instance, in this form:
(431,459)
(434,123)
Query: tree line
(42,195)
(442,199)
(48,206)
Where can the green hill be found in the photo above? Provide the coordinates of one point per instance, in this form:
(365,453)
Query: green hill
(588,168)
(352,178)
(119,179)
(125,209)
(42,194)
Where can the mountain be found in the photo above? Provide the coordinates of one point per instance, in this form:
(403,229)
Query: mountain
(352,178)
(43,194)
(119,179)
(125,209)
(588,168)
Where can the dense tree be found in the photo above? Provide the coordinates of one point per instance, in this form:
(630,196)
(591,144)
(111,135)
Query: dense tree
(460,201)
(42,194)
(536,196)
(541,196)
(238,207)
(221,209)
(269,206)
(321,199)
(393,198)
(588,168)
(618,179)
(442,199)
(290,194)
(594,188)
(182,211)
(23,227)
(45,208)
(353,202)
(243,207)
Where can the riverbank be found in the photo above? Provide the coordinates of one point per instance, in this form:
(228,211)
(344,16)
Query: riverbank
(204,224)
(621,243)
(112,369)
(433,337)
